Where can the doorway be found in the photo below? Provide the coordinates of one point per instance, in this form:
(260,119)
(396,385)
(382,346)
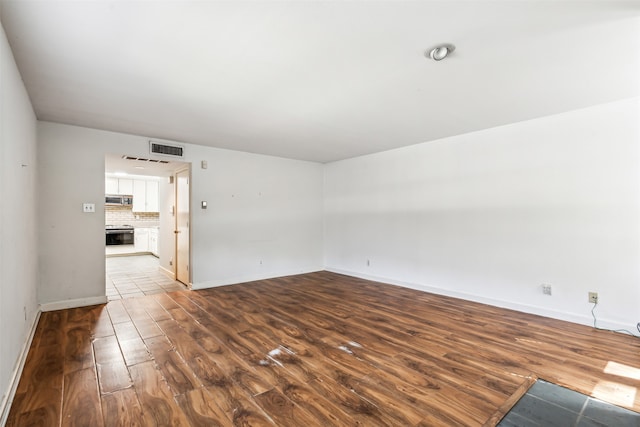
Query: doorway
(153,215)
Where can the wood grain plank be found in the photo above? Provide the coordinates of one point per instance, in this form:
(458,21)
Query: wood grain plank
(81,401)
(239,407)
(282,410)
(174,370)
(510,402)
(323,411)
(201,410)
(39,393)
(316,349)
(44,416)
(122,408)
(78,349)
(155,396)
(52,330)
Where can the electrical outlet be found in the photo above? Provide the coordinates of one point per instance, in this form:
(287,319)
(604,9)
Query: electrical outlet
(546,289)
(593,297)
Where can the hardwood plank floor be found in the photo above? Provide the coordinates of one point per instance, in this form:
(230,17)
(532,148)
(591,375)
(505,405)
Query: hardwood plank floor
(316,349)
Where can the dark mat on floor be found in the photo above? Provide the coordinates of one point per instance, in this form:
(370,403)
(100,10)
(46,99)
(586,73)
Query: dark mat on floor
(549,405)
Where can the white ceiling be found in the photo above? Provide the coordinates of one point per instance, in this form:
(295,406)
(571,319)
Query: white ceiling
(318,80)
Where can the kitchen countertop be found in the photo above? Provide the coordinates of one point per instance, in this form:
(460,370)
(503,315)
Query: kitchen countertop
(140,224)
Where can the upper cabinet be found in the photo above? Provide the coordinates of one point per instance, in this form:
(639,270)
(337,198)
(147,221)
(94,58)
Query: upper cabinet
(152,196)
(111,186)
(121,186)
(125,186)
(144,192)
(145,196)
(139,195)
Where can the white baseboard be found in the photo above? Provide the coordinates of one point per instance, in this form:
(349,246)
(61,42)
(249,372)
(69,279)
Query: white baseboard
(540,311)
(5,406)
(251,278)
(73,303)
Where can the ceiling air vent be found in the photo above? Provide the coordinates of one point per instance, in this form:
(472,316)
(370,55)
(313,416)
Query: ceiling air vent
(166,149)
(142,159)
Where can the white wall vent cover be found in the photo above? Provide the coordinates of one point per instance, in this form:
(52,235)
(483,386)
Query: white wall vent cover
(173,150)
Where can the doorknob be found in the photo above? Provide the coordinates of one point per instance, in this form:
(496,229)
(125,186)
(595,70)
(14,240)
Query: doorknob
(176,231)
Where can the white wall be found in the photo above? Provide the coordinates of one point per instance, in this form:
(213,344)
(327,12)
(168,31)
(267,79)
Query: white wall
(18,246)
(264,217)
(283,227)
(492,215)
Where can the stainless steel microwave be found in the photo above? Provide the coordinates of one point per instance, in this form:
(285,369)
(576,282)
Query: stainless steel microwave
(118,200)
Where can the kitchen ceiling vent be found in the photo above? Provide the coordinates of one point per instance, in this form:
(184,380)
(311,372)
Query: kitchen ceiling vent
(142,159)
(165,149)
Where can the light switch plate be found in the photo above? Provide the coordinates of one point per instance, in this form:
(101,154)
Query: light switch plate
(88,207)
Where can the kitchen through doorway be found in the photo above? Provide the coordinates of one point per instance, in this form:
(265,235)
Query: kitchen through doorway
(141,225)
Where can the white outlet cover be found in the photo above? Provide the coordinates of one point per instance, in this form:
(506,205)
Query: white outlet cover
(88,207)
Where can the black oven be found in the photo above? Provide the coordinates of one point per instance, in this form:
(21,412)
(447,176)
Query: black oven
(119,234)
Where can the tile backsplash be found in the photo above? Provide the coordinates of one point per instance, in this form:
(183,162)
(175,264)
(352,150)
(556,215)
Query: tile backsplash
(121,215)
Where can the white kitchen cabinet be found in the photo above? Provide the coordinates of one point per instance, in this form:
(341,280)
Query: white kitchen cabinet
(121,186)
(145,196)
(125,186)
(153,241)
(141,240)
(139,195)
(111,186)
(152,196)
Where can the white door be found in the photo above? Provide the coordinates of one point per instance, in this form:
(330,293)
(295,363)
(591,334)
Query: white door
(182,227)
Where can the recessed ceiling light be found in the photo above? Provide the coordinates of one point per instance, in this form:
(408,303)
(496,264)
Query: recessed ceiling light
(440,52)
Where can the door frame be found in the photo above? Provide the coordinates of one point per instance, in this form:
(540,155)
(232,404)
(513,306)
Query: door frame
(186,169)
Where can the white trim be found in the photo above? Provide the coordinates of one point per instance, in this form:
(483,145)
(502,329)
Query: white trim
(582,319)
(5,406)
(73,303)
(251,278)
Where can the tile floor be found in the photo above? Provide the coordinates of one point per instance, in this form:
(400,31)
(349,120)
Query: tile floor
(549,405)
(120,250)
(137,276)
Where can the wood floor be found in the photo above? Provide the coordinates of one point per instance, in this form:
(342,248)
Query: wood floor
(313,350)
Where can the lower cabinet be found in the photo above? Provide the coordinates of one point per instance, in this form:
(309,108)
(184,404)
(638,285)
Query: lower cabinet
(146,240)
(153,241)
(141,240)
